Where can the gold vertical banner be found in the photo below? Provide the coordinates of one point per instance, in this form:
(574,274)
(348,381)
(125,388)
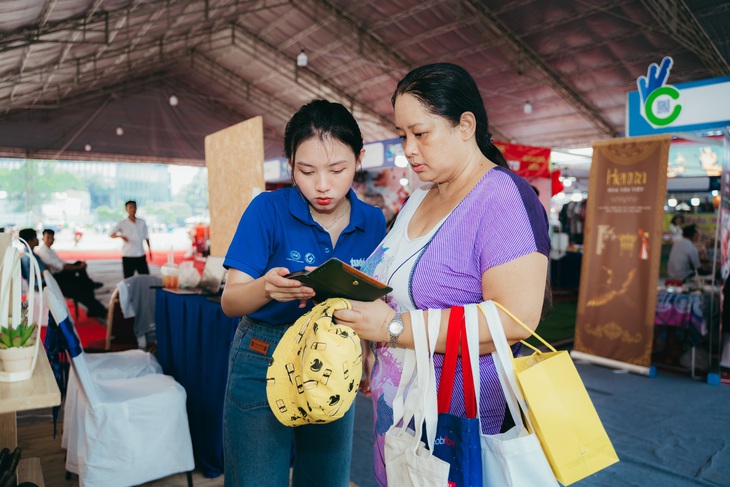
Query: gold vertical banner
(621,252)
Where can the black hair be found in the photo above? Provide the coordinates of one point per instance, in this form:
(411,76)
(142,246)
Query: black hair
(321,119)
(689,231)
(49,231)
(448,90)
(28,234)
(130,202)
(677,217)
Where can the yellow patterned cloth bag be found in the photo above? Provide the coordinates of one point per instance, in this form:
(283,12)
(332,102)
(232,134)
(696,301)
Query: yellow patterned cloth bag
(316,368)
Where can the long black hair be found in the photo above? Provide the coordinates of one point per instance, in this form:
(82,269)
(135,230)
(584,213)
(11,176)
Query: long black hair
(321,119)
(448,90)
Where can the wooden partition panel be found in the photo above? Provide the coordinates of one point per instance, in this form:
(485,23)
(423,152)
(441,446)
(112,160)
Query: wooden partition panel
(235,160)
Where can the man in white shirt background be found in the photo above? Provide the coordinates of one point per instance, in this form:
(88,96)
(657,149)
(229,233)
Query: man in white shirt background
(133,231)
(72,277)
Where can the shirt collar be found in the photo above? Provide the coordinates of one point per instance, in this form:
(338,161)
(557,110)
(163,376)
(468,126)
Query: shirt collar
(299,208)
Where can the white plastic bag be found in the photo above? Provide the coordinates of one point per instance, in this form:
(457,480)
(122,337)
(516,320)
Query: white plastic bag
(188,275)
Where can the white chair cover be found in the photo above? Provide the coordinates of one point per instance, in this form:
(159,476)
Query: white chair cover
(121,427)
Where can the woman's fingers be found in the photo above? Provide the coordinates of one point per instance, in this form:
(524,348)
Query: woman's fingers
(366,319)
(348,316)
(281,289)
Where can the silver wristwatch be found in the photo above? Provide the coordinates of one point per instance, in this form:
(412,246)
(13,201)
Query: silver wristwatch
(395,328)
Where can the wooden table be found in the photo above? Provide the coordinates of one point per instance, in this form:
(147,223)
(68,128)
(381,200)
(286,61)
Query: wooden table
(39,391)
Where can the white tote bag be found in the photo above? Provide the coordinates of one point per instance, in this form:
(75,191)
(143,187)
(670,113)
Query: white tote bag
(408,463)
(514,458)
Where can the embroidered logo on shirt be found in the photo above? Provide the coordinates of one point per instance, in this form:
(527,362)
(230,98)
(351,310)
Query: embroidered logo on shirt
(259,346)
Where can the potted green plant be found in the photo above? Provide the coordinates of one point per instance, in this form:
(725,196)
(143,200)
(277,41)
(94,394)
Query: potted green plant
(17,344)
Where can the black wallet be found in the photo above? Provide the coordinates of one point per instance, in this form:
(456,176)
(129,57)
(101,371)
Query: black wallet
(335,279)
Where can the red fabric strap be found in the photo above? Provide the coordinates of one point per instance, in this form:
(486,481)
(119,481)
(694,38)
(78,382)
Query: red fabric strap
(456,333)
(453,336)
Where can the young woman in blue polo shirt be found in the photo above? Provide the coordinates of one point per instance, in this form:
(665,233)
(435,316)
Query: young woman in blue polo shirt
(282,232)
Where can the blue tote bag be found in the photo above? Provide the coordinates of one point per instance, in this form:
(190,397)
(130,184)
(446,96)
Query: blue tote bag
(458,439)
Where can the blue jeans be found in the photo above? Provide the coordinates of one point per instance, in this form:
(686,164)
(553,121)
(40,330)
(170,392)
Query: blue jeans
(256,447)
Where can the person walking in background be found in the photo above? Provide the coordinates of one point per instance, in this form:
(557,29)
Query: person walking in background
(475,232)
(280,232)
(73,280)
(133,231)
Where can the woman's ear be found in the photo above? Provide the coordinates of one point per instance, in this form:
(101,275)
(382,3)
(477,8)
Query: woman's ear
(467,125)
(358,162)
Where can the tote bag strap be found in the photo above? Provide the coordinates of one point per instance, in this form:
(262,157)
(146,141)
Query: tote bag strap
(456,334)
(416,400)
(407,375)
(415,397)
(429,398)
(406,401)
(502,357)
(471,329)
(532,332)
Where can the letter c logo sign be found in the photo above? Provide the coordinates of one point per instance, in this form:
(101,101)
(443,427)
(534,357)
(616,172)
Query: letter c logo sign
(671,92)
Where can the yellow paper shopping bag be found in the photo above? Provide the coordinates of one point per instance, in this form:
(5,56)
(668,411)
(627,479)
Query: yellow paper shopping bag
(565,420)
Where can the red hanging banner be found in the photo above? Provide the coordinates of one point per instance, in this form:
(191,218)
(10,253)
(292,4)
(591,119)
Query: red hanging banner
(527,161)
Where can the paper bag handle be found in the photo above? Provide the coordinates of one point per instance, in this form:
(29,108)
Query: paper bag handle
(532,332)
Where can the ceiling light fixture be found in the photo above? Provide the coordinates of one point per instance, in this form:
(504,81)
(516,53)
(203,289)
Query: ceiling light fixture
(87,147)
(173,101)
(527,108)
(302,59)
(120,131)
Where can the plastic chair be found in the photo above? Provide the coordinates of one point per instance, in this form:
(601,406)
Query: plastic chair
(121,426)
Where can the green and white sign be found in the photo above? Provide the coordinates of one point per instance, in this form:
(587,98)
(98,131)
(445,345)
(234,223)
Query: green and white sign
(659,107)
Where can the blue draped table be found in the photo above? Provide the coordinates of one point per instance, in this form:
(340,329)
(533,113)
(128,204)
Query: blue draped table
(193,340)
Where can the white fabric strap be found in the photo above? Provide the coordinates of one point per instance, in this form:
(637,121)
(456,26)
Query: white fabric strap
(406,401)
(471,320)
(409,367)
(416,399)
(502,357)
(418,403)
(430,398)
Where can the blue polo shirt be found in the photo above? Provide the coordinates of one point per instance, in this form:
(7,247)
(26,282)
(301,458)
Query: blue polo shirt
(277,230)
